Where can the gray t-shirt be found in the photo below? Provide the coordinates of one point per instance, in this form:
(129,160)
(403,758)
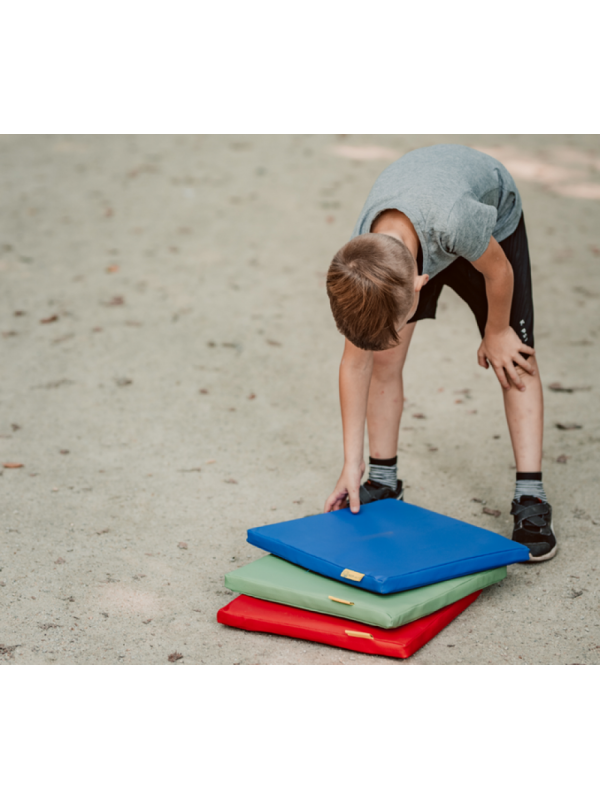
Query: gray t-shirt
(456,198)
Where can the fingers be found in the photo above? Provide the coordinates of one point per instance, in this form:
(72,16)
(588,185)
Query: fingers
(514,376)
(354,500)
(525,365)
(482,360)
(336,501)
(333,502)
(524,348)
(502,378)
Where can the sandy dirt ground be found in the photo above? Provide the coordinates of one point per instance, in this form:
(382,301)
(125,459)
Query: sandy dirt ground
(169,379)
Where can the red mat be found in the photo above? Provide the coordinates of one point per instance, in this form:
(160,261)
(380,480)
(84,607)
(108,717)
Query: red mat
(252,614)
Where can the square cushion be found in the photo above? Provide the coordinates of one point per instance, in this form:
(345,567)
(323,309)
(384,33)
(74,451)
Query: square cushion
(251,614)
(272,578)
(388,547)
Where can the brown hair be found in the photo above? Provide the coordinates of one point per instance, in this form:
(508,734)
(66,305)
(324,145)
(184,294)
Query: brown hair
(371,288)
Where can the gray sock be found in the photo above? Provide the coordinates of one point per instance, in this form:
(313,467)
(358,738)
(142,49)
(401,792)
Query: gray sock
(529,484)
(385,471)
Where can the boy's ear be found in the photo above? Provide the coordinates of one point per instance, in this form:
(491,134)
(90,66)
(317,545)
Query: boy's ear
(420,281)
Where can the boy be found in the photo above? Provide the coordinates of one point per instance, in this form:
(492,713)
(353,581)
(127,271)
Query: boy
(440,215)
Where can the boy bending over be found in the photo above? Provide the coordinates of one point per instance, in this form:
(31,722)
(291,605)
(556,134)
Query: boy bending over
(441,215)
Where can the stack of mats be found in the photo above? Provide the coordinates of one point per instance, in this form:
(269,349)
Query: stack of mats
(384,581)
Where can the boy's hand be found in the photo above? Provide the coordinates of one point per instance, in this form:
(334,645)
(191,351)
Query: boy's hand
(348,487)
(503,350)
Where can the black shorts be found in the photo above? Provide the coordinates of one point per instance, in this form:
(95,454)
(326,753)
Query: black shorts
(469,284)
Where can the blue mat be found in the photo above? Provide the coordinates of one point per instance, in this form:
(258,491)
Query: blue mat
(390,546)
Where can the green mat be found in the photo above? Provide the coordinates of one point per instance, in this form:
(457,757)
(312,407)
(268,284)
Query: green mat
(274,579)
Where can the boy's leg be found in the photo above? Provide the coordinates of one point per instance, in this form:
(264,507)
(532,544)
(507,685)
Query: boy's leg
(525,417)
(386,397)
(524,410)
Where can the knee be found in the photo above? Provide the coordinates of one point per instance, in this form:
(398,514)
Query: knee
(386,367)
(525,373)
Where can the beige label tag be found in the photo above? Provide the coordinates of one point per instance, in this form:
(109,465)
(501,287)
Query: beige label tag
(337,600)
(352,576)
(359,635)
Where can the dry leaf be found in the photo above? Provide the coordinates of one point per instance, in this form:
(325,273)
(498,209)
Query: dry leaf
(182,546)
(116,301)
(273,343)
(146,621)
(252,396)
(12,465)
(60,561)
(558,387)
(419,416)
(212,461)
(64,338)
(491,512)
(230,480)
(568,426)
(113,268)
(562,459)
(53,318)
(203,391)
(174,657)
(65,452)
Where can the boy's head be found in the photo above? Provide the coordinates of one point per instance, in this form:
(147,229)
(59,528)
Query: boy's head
(373,286)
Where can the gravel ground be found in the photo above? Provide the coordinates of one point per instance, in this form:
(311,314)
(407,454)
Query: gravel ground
(170,379)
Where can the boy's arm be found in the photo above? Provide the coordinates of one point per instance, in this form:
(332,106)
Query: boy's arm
(501,346)
(355,378)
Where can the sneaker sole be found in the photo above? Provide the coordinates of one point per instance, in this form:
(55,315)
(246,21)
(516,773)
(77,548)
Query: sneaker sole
(547,557)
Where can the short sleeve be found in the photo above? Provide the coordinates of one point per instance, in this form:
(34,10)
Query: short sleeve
(469,228)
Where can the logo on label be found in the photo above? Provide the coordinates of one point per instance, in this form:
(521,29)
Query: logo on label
(352,576)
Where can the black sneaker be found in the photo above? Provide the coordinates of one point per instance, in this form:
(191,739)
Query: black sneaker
(533,527)
(371,491)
